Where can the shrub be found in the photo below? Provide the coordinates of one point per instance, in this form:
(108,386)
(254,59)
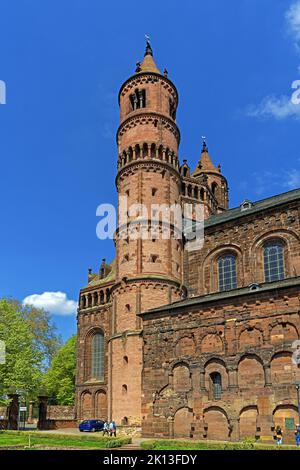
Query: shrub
(117,442)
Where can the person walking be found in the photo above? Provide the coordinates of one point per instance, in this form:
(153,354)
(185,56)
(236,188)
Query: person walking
(297,435)
(105,428)
(112,429)
(278,435)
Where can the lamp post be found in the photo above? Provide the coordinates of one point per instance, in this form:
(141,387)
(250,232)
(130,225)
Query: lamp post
(297,387)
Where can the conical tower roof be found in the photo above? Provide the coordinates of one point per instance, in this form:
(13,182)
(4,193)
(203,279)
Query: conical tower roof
(205,164)
(148,64)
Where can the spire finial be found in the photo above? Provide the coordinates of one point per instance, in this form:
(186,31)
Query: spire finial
(204,146)
(148,46)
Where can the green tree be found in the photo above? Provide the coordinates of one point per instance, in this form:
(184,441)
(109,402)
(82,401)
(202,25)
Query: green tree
(23,360)
(46,339)
(59,380)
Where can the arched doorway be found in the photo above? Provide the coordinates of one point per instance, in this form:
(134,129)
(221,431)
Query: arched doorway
(100,405)
(182,422)
(86,405)
(217,424)
(286,416)
(248,422)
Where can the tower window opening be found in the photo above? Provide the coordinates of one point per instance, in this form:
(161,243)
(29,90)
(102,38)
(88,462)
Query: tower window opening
(153,258)
(124,389)
(128,308)
(154,191)
(138,99)
(214,188)
(172,109)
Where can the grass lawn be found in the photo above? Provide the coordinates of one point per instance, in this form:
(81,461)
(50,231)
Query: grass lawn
(247,444)
(21,438)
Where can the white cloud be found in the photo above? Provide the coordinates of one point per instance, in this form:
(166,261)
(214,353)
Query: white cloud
(293,20)
(284,180)
(282,107)
(56,303)
(292,179)
(277,107)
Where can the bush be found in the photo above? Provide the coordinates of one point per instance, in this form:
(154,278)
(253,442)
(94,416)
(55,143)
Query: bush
(148,445)
(117,442)
(246,444)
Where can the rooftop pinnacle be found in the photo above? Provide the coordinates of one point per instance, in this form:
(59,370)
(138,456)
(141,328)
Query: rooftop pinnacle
(205,164)
(148,64)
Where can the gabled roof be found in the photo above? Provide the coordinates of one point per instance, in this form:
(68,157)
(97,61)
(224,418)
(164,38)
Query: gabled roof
(219,296)
(258,206)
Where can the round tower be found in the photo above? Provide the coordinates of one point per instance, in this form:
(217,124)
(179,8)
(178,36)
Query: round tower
(216,182)
(148,250)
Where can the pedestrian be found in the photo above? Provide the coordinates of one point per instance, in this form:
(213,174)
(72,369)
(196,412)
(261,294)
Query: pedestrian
(112,429)
(105,428)
(278,435)
(297,435)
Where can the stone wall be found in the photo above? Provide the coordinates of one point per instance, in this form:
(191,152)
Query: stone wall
(59,412)
(247,340)
(244,237)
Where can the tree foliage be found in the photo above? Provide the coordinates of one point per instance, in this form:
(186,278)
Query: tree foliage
(23,361)
(45,336)
(59,380)
(31,341)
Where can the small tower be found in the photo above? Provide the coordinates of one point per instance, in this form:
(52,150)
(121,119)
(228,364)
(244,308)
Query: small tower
(148,268)
(216,182)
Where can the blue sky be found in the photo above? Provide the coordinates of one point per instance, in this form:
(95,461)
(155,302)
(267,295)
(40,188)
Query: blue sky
(63,62)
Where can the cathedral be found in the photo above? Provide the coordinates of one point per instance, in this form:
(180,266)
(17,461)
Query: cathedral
(190,343)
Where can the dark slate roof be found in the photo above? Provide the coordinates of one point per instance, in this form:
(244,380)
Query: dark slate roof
(219,296)
(258,206)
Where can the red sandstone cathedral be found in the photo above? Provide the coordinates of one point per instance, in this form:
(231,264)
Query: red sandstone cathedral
(190,343)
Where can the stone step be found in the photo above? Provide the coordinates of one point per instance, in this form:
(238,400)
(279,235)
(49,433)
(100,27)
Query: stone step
(129,447)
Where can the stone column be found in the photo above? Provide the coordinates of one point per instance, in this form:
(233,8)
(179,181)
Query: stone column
(267,371)
(13,411)
(30,412)
(232,378)
(42,421)
(202,381)
(234,426)
(171,426)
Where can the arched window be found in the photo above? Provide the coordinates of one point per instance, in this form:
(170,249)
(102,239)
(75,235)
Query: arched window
(98,356)
(138,99)
(274,261)
(227,272)
(214,188)
(216,381)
